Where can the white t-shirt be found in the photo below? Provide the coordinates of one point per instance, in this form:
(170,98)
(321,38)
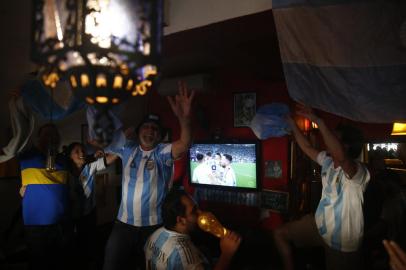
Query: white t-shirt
(229,177)
(202,174)
(339,215)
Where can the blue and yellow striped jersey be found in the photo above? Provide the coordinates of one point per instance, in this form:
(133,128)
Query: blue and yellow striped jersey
(45,201)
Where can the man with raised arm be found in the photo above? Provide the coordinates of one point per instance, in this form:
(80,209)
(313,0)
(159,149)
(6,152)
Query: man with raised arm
(147,177)
(338,222)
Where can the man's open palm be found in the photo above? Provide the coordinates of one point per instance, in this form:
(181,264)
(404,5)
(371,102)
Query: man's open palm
(181,104)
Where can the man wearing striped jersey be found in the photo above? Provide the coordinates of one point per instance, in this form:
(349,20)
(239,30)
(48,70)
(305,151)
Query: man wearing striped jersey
(171,248)
(147,176)
(338,222)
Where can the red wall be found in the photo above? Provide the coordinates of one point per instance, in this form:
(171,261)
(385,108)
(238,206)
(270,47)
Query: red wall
(216,105)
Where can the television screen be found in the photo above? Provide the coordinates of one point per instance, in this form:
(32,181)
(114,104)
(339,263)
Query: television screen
(224,164)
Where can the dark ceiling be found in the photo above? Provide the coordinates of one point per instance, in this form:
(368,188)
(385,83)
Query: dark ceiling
(247,43)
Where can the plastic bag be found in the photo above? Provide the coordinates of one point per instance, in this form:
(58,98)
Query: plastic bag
(269,121)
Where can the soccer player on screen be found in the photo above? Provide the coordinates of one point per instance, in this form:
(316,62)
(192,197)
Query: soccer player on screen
(202,173)
(216,168)
(229,178)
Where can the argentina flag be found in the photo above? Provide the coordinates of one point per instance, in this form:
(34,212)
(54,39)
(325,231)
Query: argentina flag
(346,57)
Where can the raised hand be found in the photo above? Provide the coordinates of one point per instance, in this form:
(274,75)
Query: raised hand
(397,257)
(99,154)
(182,102)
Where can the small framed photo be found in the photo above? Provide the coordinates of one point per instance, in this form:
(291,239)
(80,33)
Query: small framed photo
(244,108)
(273,169)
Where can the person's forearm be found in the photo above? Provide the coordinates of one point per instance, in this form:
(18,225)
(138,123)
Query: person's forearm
(118,142)
(333,145)
(181,146)
(304,143)
(185,131)
(301,140)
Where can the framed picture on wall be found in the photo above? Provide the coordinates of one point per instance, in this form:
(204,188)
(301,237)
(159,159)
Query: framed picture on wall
(273,169)
(244,108)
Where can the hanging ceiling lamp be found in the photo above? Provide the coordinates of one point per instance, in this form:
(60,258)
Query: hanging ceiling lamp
(108,50)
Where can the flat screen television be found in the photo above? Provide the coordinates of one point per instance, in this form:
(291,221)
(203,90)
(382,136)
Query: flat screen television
(225,164)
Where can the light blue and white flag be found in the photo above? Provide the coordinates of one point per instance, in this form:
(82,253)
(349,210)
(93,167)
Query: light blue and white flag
(346,57)
(56,106)
(269,121)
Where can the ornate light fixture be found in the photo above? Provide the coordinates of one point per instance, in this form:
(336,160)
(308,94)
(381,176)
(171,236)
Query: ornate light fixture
(108,50)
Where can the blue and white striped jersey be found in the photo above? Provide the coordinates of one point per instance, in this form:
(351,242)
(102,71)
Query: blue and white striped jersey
(147,177)
(170,250)
(339,215)
(87,181)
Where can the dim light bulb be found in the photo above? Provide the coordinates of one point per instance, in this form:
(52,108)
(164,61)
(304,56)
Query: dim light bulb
(84,80)
(118,82)
(89,100)
(209,223)
(130,84)
(101,81)
(102,99)
(73,81)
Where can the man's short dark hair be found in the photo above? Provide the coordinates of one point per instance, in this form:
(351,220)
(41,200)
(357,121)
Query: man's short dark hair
(353,138)
(173,207)
(228,157)
(199,156)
